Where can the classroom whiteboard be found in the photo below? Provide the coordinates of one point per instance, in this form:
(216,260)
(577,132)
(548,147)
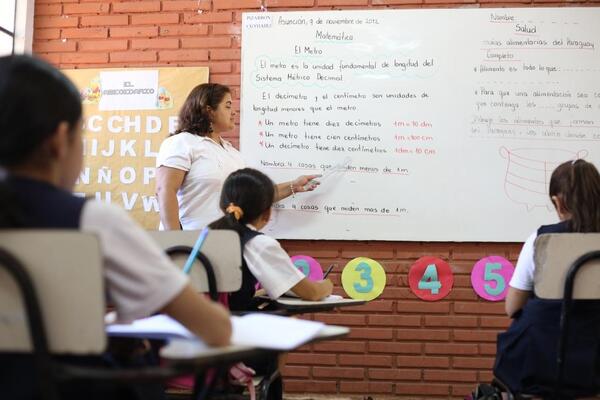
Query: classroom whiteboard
(429,125)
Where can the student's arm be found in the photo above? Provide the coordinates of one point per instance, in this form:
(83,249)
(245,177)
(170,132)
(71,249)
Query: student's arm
(515,300)
(310,290)
(283,190)
(521,283)
(168,182)
(209,320)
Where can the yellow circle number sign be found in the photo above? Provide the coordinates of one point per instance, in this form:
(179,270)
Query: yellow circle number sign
(363,279)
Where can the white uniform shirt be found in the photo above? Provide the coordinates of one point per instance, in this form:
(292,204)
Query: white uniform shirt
(207,165)
(523,276)
(139,278)
(271,265)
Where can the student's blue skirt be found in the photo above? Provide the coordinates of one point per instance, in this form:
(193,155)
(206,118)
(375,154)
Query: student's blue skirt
(526,356)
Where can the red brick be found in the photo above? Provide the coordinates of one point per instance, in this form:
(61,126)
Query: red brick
(135,6)
(422,389)
(208,17)
(291,3)
(373,306)
(296,371)
(451,348)
(54,46)
(394,347)
(42,34)
(134,31)
(472,362)
(103,45)
(104,20)
(365,387)
(487,349)
(423,307)
(365,360)
(311,359)
(342,319)
(341,346)
(183,30)
(185,5)
(48,9)
(205,43)
(376,252)
(475,336)
(86,8)
(158,43)
(84,33)
(479,308)
(183,55)
(340,372)
(395,320)
(397,293)
(422,361)
(394,374)
(226,29)
(485,376)
(495,322)
(439,320)
(83,58)
(238,4)
(311,386)
(63,21)
(462,294)
(371,333)
(395,2)
(154,19)
(450,376)
(133,56)
(423,334)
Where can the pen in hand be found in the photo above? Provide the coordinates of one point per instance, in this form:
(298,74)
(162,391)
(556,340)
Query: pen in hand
(328,271)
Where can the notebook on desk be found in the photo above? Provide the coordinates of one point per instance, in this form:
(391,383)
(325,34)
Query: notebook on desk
(331,300)
(257,330)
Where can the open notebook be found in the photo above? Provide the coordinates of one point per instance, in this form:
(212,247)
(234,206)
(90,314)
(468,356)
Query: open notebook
(257,330)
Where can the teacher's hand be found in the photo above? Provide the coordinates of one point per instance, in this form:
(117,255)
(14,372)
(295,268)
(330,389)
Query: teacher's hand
(305,183)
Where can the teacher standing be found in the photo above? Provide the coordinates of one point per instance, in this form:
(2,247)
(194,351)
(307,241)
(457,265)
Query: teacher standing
(193,162)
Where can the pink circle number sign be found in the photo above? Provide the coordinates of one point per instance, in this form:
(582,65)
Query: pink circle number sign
(490,277)
(430,278)
(309,267)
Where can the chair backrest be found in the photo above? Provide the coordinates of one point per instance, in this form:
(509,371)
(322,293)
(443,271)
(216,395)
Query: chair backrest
(65,268)
(221,247)
(553,255)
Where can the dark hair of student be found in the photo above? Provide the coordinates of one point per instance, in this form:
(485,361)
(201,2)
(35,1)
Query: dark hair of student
(250,190)
(577,184)
(34,99)
(193,116)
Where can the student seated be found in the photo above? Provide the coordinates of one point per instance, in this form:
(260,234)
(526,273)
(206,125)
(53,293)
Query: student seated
(41,153)
(526,352)
(246,200)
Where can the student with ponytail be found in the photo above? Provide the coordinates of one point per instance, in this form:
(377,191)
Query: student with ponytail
(246,200)
(41,154)
(526,353)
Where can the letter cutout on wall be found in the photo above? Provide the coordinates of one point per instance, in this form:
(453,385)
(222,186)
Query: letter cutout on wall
(308,266)
(490,277)
(430,278)
(363,278)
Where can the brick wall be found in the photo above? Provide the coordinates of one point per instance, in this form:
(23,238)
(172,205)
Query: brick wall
(399,346)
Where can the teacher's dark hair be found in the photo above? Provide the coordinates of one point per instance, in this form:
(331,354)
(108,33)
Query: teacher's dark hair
(577,184)
(193,116)
(34,99)
(248,189)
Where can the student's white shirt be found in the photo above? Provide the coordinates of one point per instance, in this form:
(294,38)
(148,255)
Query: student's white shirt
(207,165)
(271,265)
(139,278)
(523,276)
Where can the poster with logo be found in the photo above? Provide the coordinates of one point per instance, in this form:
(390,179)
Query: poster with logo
(127,113)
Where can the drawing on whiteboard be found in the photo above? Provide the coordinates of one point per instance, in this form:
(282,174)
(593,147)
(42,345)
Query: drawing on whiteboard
(528,172)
